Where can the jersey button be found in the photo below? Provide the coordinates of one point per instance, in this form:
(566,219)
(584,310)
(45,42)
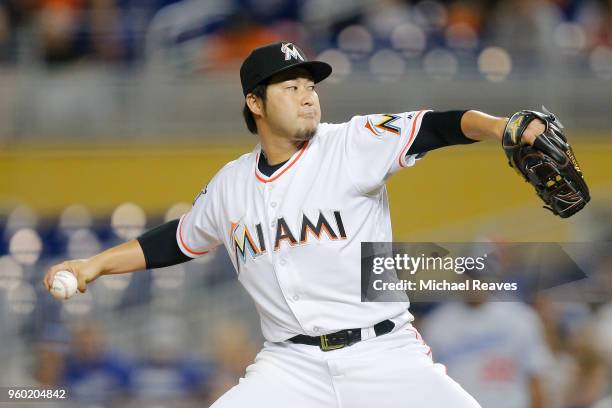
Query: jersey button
(296,297)
(283,262)
(315,329)
(273,204)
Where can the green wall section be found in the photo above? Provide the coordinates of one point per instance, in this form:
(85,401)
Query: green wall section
(447,186)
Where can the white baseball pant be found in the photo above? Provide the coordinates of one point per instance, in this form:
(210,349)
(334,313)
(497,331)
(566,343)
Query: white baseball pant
(392,370)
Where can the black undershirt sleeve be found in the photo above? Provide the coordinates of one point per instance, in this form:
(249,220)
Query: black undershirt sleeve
(439,129)
(160,247)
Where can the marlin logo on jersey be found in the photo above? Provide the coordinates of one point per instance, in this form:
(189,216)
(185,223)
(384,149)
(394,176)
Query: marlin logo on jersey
(384,125)
(245,245)
(291,52)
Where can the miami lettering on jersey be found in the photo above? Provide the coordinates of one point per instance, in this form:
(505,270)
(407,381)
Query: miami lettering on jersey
(244,244)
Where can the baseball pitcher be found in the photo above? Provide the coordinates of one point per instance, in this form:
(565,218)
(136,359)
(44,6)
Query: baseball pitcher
(292,214)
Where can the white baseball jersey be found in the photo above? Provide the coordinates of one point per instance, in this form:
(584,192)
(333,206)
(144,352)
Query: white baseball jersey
(295,237)
(492,350)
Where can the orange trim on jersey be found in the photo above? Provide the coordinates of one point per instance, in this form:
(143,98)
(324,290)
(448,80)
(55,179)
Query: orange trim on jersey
(295,159)
(191,251)
(369,127)
(420,338)
(410,138)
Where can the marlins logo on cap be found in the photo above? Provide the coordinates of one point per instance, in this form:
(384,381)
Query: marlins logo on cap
(266,61)
(291,51)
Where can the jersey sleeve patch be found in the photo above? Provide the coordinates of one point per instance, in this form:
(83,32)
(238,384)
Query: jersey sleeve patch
(376,146)
(378,125)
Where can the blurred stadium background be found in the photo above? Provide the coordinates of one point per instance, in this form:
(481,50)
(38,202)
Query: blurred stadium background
(114,113)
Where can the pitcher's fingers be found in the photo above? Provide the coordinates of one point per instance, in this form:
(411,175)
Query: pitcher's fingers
(45,279)
(82,284)
(51,274)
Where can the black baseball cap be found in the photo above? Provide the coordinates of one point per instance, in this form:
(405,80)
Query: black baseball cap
(266,61)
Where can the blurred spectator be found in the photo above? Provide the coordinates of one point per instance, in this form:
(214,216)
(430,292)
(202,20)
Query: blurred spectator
(590,376)
(62,36)
(106,35)
(5,29)
(13,15)
(607,24)
(557,380)
(231,45)
(603,328)
(603,334)
(270,11)
(49,357)
(167,373)
(118,31)
(233,351)
(382,17)
(595,17)
(495,350)
(578,376)
(525,28)
(466,12)
(94,373)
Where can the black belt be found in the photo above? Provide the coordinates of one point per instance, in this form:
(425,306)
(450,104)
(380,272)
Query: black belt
(342,338)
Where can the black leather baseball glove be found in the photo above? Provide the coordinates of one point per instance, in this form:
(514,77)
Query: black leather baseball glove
(549,165)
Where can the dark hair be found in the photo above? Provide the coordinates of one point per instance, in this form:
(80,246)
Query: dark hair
(259,91)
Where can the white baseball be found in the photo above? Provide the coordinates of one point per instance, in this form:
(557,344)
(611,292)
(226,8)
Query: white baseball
(64,285)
